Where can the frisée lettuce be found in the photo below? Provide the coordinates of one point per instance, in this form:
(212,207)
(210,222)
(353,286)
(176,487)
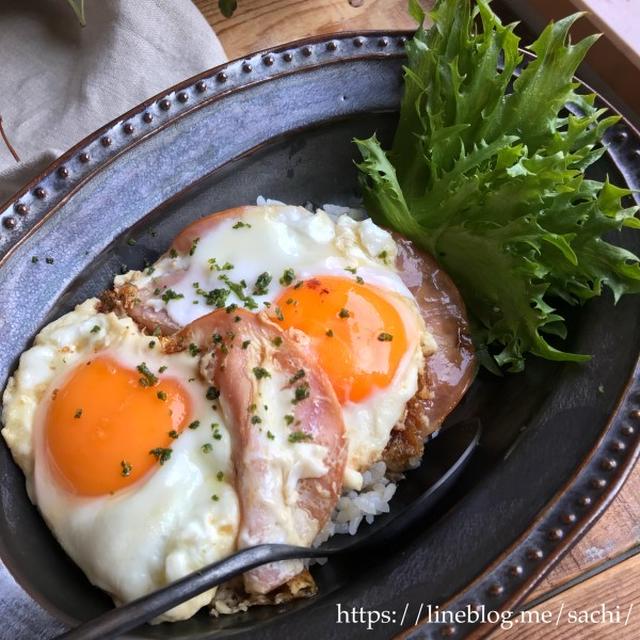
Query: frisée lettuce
(487,174)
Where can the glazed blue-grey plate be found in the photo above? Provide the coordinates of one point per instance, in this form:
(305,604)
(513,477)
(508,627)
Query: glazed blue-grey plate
(559,439)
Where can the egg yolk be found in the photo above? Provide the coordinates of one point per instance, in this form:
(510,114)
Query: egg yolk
(108,425)
(356,332)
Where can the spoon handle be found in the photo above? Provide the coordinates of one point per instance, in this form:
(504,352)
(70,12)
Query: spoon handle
(117,621)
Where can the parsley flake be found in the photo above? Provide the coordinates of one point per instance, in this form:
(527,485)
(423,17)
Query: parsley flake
(125,469)
(299,436)
(301,393)
(261,287)
(287,277)
(170,294)
(161,454)
(149,378)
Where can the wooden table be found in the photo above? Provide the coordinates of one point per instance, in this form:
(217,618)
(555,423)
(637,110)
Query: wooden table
(603,567)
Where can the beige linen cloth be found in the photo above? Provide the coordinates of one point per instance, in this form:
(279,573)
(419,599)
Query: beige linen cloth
(60,81)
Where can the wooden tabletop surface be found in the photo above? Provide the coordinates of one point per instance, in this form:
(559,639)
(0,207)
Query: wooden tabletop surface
(603,568)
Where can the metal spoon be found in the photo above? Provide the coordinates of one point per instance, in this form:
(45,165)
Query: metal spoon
(445,457)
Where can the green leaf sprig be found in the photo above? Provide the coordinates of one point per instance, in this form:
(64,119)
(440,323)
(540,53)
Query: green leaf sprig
(487,174)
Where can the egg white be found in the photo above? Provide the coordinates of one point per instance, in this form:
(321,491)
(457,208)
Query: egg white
(278,237)
(156,530)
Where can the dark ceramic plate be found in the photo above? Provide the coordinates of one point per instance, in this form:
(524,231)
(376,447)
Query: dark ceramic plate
(559,439)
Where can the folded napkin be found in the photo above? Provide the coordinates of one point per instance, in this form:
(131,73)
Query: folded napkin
(60,81)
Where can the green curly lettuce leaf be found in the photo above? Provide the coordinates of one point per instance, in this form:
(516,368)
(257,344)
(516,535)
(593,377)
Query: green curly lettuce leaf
(487,174)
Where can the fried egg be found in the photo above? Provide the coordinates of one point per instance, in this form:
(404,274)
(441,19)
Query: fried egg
(125,454)
(334,279)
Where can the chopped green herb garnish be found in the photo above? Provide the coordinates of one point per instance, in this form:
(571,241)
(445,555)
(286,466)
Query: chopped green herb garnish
(152,344)
(207,447)
(78,414)
(261,372)
(162,369)
(240,225)
(261,287)
(149,378)
(277,341)
(131,242)
(299,436)
(270,435)
(246,343)
(125,469)
(299,374)
(220,476)
(359,280)
(34,259)
(351,269)
(173,434)
(287,277)
(49,260)
(301,393)
(194,349)
(279,314)
(212,393)
(289,419)
(195,424)
(170,294)
(214,298)
(161,454)
(343,313)
(385,337)
(329,333)
(194,244)
(238,288)
(162,395)
(256,419)
(215,498)
(95,328)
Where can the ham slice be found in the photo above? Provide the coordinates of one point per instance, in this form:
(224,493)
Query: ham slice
(288,437)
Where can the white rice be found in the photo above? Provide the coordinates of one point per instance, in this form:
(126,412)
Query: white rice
(355,506)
